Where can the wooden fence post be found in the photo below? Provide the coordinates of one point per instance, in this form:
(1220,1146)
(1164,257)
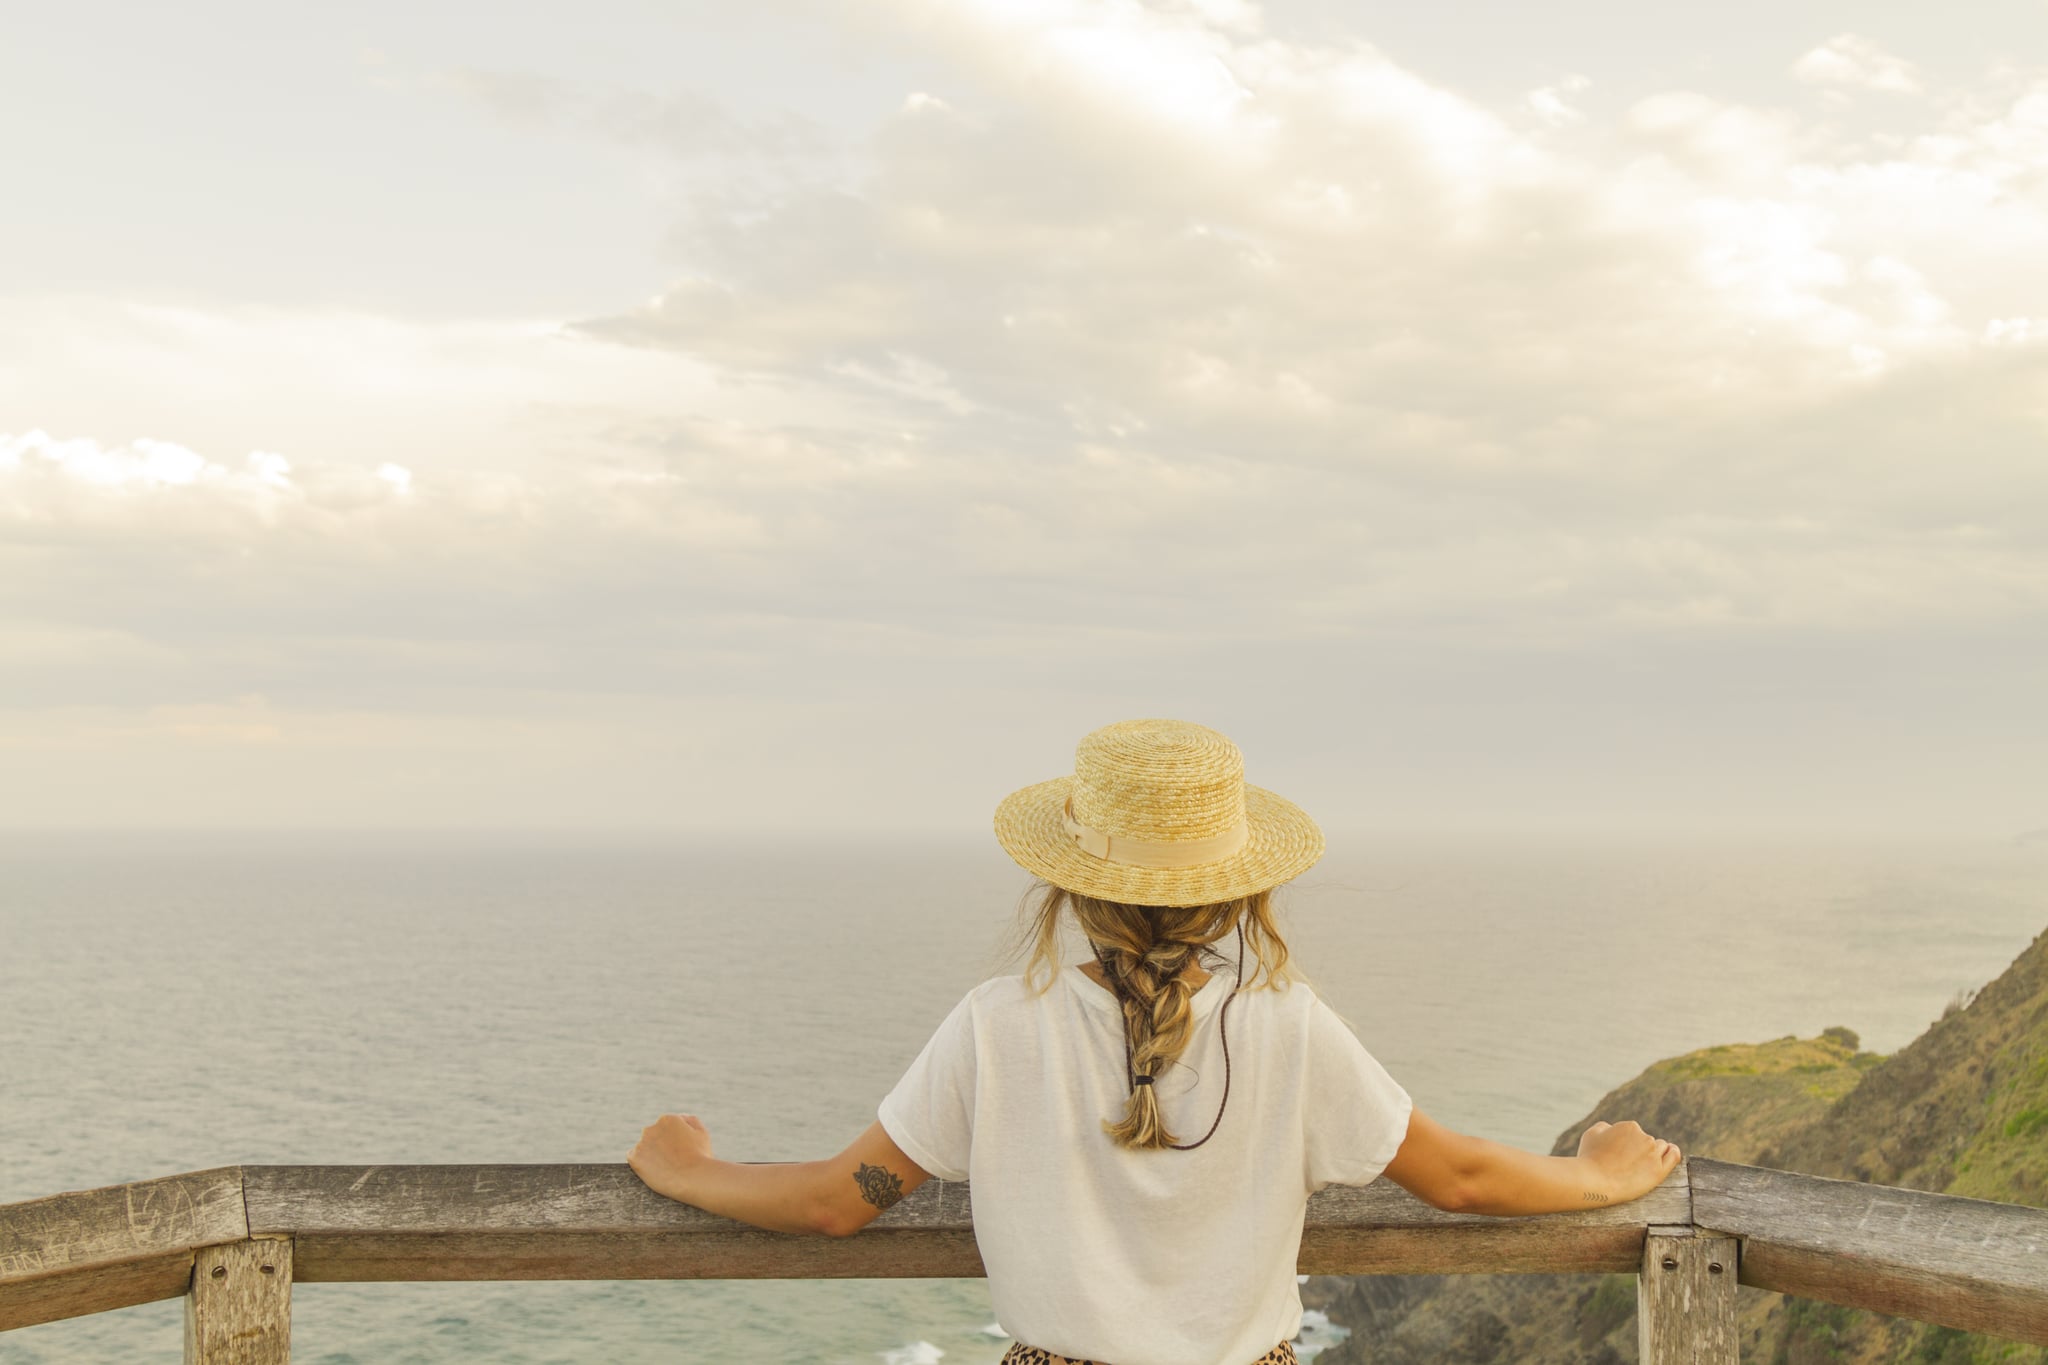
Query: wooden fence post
(1685,1299)
(239,1309)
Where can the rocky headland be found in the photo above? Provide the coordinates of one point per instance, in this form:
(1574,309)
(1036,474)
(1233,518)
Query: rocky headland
(1963,1109)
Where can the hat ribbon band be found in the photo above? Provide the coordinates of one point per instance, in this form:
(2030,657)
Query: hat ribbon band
(1156,853)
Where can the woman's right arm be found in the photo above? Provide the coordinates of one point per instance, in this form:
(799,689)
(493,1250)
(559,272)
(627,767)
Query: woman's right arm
(1454,1171)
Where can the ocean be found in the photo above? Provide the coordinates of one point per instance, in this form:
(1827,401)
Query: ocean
(169,1003)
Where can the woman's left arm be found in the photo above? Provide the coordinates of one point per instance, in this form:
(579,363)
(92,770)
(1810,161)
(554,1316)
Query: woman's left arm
(837,1196)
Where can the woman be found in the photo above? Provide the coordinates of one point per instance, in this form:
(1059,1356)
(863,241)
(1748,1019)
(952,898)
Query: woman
(1141,1156)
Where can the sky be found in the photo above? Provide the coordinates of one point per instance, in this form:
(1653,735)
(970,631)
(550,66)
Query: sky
(1585,419)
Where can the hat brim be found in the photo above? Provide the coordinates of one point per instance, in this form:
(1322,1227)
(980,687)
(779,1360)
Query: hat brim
(1283,844)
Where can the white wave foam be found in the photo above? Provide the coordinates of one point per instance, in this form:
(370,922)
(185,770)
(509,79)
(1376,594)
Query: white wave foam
(1318,1334)
(917,1353)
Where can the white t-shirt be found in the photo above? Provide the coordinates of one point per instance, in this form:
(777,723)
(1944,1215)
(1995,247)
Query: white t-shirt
(1144,1257)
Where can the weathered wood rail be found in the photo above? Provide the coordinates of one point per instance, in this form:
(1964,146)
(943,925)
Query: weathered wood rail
(233,1240)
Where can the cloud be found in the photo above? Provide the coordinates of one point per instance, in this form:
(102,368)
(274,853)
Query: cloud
(1858,63)
(1137,353)
(142,464)
(1132,226)
(1153,299)
(328,386)
(679,124)
(1552,102)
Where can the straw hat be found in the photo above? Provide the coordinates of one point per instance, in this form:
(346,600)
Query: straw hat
(1157,812)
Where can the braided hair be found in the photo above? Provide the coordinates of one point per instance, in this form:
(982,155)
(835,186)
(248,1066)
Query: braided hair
(1145,952)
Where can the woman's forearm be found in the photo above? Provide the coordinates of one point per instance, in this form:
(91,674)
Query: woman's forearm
(1507,1180)
(836,1197)
(783,1196)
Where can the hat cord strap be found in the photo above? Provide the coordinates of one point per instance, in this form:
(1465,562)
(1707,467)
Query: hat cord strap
(1223,1030)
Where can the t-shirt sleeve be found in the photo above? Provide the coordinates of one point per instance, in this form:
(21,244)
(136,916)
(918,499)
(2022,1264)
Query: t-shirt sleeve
(930,1112)
(1357,1113)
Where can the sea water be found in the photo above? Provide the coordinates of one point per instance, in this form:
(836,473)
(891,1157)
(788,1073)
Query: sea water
(173,1003)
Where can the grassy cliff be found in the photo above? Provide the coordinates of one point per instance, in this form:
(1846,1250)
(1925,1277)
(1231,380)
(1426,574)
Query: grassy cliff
(1963,1109)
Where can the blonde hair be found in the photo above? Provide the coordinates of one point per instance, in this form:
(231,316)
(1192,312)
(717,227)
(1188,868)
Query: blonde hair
(1144,951)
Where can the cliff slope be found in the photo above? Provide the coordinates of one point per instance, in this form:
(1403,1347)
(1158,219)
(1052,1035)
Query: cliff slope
(1963,1109)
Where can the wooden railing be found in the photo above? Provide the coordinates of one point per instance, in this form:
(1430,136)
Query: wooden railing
(233,1240)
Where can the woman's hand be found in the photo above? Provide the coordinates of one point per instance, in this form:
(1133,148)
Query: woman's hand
(670,1148)
(1631,1162)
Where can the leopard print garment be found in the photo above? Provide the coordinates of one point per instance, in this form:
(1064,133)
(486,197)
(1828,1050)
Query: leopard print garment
(1020,1354)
